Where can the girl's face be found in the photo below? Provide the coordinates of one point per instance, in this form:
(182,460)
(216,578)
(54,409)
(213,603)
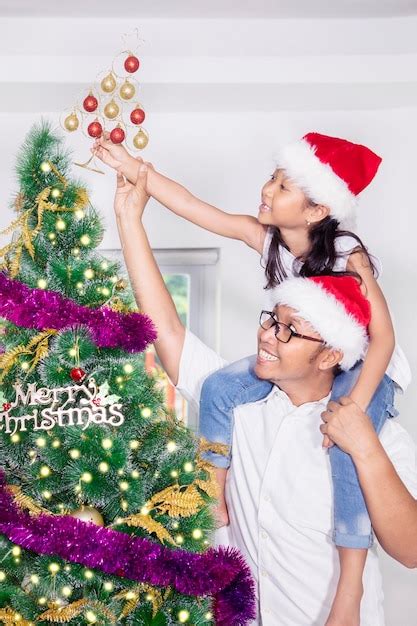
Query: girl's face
(283,203)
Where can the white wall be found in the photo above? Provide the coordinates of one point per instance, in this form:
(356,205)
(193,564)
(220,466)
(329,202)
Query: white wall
(221,146)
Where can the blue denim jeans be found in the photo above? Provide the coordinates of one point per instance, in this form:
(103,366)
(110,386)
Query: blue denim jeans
(237,384)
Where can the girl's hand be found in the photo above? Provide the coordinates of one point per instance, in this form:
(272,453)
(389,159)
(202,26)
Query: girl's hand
(114,155)
(346,425)
(130,200)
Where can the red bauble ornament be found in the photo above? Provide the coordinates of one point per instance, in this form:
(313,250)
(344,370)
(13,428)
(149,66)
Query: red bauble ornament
(95,129)
(6,406)
(90,103)
(131,64)
(77,374)
(97,401)
(137,116)
(117,135)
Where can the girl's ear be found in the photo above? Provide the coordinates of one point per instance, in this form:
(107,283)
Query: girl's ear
(317,212)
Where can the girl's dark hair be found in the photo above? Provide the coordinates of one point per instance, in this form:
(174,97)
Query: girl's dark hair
(320,259)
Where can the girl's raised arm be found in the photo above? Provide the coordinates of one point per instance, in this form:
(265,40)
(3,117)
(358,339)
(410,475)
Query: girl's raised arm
(182,202)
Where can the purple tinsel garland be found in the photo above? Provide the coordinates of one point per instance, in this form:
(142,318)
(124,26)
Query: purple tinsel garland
(219,572)
(42,309)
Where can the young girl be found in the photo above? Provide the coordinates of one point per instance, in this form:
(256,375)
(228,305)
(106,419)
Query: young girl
(299,231)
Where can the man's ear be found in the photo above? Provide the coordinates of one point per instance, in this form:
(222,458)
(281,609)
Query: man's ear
(329,358)
(317,212)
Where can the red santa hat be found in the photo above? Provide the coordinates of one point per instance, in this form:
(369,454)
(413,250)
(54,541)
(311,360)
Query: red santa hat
(330,171)
(336,309)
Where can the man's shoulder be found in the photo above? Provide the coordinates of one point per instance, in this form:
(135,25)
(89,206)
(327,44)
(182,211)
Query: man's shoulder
(196,363)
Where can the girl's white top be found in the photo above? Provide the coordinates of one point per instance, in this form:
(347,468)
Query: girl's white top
(398,369)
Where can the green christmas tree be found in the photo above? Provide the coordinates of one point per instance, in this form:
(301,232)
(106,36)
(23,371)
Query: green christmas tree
(83,429)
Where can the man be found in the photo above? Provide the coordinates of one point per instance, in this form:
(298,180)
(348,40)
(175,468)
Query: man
(279,485)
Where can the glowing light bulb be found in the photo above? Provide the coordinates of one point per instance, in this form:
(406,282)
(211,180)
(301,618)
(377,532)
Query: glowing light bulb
(54,568)
(89,273)
(183,616)
(45,167)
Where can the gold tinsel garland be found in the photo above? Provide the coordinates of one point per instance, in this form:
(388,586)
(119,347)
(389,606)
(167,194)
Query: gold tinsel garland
(28,235)
(132,597)
(26,502)
(10,617)
(63,614)
(37,348)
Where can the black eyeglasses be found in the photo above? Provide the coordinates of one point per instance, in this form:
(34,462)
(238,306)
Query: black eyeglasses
(283,333)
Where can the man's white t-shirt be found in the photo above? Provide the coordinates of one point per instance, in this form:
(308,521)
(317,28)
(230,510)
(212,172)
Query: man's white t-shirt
(279,497)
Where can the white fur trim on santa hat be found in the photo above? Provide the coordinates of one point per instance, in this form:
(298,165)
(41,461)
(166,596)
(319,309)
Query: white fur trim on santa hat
(339,329)
(318,180)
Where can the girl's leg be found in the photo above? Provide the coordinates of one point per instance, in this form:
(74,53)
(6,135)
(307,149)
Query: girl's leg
(352,526)
(221,393)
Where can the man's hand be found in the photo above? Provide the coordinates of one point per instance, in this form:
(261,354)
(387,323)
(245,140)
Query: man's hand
(117,157)
(130,200)
(346,425)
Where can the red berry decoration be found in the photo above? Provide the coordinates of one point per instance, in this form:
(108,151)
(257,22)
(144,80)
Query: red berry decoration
(97,401)
(6,406)
(131,64)
(77,374)
(90,103)
(137,116)
(117,135)
(95,129)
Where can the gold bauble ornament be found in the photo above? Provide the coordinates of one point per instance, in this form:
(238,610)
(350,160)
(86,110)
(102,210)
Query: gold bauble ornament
(127,90)
(108,84)
(140,140)
(111,110)
(88,514)
(71,122)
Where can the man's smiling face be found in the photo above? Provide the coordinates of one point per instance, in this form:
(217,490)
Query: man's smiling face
(299,359)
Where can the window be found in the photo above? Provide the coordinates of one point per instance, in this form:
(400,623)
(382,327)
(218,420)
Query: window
(191,277)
